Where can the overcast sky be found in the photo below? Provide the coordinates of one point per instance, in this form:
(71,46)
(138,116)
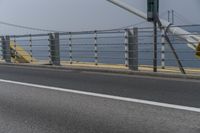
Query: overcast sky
(75,15)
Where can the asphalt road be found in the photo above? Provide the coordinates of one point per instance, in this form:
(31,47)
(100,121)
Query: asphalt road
(25,109)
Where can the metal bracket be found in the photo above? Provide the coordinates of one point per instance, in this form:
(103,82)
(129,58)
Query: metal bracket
(171,45)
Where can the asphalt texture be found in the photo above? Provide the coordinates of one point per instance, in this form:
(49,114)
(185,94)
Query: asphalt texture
(28,109)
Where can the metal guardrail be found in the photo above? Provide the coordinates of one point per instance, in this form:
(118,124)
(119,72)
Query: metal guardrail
(131,48)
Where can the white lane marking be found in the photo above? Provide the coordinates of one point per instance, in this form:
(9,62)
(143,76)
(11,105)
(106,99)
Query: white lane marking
(179,107)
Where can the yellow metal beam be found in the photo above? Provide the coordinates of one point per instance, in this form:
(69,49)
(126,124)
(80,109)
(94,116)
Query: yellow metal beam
(19,54)
(198,51)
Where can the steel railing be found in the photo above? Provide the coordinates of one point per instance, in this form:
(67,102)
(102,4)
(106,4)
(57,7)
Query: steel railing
(131,48)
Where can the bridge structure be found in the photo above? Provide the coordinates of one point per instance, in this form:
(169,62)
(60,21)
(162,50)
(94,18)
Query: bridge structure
(99,81)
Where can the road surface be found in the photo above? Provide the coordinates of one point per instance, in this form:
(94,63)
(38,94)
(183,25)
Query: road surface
(34,100)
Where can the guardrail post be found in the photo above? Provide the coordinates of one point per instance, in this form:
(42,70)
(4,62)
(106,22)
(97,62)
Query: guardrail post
(126,48)
(95,49)
(70,48)
(133,49)
(163,49)
(31,47)
(6,49)
(54,48)
(15,50)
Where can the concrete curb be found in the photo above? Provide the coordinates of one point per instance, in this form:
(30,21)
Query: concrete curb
(106,70)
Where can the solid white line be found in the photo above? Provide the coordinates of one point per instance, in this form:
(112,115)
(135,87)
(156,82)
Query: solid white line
(179,107)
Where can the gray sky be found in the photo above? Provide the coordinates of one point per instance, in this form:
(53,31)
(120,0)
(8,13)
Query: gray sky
(75,15)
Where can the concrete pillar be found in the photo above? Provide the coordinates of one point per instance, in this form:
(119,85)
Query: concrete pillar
(133,49)
(6,49)
(54,48)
